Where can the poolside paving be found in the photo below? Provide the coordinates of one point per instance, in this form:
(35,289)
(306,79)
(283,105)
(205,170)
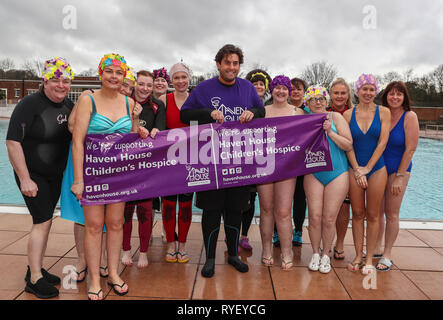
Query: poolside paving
(417,273)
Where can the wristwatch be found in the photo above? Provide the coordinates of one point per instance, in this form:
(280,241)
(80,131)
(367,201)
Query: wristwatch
(400,174)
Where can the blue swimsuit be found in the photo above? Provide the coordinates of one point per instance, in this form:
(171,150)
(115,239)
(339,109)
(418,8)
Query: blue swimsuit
(339,161)
(396,147)
(366,143)
(70,206)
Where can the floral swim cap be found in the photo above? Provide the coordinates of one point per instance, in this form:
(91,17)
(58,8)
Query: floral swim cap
(316,90)
(130,75)
(112,59)
(57,68)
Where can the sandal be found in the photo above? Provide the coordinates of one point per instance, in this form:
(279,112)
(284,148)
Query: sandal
(113,285)
(104,270)
(355,266)
(386,263)
(95,294)
(171,256)
(314,264)
(286,265)
(325,264)
(78,275)
(367,269)
(268,262)
(338,254)
(181,259)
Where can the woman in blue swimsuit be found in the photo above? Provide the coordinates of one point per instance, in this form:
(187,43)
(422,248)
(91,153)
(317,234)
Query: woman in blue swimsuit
(369,124)
(105,111)
(403,140)
(325,191)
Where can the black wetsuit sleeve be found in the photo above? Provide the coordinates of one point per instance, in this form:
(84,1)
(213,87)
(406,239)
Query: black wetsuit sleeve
(21,119)
(258,112)
(160,117)
(202,115)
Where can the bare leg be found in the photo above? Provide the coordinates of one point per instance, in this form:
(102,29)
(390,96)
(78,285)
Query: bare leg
(266,199)
(334,194)
(341,226)
(38,239)
(114,228)
(283,197)
(392,209)
(79,236)
(314,194)
(381,224)
(374,195)
(104,259)
(357,196)
(94,221)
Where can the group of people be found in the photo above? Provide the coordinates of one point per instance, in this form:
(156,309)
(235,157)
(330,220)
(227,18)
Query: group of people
(371,150)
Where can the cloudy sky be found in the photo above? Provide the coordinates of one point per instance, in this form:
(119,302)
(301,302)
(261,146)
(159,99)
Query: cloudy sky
(284,36)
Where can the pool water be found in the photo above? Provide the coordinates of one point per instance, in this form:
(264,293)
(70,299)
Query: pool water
(423,199)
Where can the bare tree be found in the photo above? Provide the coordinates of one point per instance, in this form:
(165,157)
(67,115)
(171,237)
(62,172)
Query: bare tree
(91,72)
(391,76)
(319,73)
(257,65)
(7,64)
(34,66)
(437,76)
(408,75)
(425,83)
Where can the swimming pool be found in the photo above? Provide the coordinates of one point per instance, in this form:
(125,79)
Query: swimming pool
(423,199)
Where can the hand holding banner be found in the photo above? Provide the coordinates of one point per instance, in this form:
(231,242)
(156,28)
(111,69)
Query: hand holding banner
(123,167)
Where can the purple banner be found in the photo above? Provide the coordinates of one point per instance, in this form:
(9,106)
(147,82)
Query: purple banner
(123,167)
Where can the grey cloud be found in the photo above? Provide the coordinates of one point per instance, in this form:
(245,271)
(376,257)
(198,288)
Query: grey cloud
(284,36)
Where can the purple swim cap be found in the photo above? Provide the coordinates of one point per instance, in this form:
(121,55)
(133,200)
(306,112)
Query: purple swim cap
(281,81)
(366,79)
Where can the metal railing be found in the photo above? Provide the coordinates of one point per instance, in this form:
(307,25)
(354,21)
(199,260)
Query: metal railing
(434,129)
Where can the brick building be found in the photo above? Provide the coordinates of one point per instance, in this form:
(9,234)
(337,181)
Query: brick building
(14,90)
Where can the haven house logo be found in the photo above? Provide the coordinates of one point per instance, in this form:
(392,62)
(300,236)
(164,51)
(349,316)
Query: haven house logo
(315,159)
(197,177)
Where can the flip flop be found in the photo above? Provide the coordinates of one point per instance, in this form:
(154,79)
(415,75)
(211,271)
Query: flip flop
(171,257)
(104,270)
(96,294)
(79,273)
(384,262)
(268,262)
(336,253)
(113,285)
(286,265)
(355,266)
(181,259)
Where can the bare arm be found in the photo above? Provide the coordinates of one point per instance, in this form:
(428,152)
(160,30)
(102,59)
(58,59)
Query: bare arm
(411,128)
(78,137)
(343,139)
(411,140)
(71,120)
(17,158)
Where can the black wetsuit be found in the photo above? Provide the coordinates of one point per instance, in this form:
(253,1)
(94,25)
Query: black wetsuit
(41,127)
(208,96)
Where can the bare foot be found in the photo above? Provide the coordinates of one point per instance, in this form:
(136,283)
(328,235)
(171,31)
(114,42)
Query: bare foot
(126,258)
(142,260)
